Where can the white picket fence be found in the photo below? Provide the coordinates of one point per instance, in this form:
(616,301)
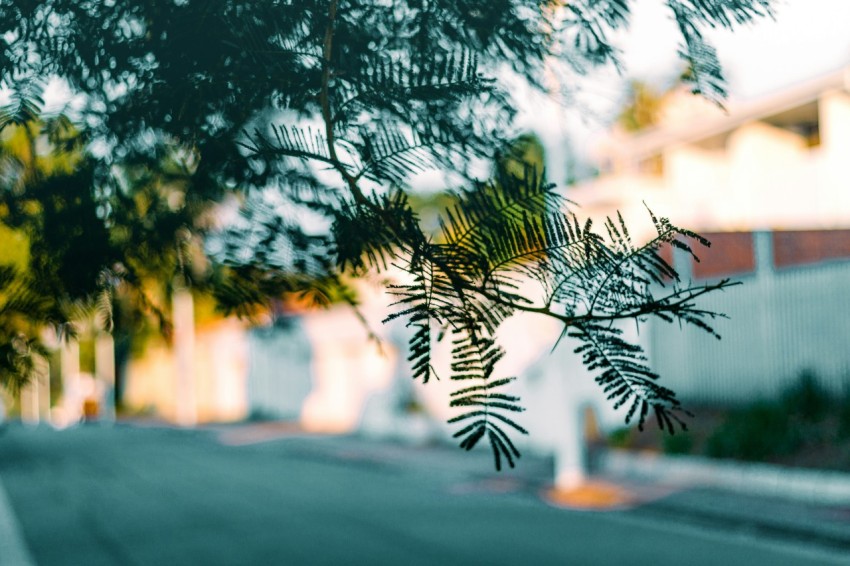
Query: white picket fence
(781,323)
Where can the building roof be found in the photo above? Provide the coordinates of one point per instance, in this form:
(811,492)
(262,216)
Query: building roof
(794,104)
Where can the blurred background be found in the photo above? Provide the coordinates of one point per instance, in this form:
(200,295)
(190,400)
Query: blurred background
(764,178)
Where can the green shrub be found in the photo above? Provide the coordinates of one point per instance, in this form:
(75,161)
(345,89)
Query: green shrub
(620,438)
(844,418)
(806,398)
(758,432)
(680,443)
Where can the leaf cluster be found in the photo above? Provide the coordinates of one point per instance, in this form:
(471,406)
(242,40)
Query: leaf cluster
(502,252)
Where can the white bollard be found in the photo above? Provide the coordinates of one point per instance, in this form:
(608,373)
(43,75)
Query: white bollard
(570,453)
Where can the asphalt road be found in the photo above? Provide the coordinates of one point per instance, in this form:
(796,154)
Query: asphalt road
(125,495)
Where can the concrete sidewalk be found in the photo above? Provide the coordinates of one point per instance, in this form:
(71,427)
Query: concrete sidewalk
(809,506)
(804,485)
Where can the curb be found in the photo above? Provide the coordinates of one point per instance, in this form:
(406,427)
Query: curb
(810,486)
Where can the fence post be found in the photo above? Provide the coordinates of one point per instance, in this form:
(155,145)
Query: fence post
(184,351)
(69,369)
(104,365)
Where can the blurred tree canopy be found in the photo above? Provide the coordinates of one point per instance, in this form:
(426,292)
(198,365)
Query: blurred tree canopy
(642,107)
(318,116)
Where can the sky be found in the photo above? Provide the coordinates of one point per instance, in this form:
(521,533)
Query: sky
(806,39)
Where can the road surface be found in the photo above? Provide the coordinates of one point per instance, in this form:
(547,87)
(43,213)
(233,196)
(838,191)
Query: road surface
(128,495)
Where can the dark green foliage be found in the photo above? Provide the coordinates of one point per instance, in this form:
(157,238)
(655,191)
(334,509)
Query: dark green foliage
(804,425)
(755,433)
(535,258)
(806,399)
(619,438)
(333,106)
(590,20)
(844,417)
(22,311)
(47,201)
(794,427)
(704,72)
(682,443)
(69,243)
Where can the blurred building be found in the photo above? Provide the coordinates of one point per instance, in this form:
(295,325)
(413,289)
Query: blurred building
(203,381)
(768,182)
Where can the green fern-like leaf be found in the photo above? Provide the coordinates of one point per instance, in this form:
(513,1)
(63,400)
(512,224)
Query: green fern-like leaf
(387,154)
(289,141)
(704,72)
(625,377)
(388,83)
(26,102)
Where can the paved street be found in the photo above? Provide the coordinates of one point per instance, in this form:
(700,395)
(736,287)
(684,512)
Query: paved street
(128,495)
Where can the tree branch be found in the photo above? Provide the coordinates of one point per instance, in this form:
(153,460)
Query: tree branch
(327,116)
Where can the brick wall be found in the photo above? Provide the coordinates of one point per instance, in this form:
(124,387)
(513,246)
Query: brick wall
(810,246)
(731,253)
